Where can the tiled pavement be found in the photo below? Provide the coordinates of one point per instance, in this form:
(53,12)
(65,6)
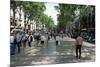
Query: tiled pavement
(52,54)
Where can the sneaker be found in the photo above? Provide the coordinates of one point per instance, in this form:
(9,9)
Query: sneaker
(79,57)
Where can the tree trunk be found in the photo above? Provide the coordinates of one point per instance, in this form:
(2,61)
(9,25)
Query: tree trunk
(14,16)
(20,14)
(25,22)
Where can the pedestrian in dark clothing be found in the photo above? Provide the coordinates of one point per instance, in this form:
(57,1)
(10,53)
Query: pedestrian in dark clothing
(48,37)
(30,39)
(38,37)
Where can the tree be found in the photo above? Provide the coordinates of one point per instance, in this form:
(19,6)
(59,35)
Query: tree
(47,21)
(33,11)
(66,15)
(13,6)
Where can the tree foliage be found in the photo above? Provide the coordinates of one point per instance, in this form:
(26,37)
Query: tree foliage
(67,13)
(33,11)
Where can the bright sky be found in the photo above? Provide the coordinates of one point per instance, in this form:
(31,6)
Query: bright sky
(51,11)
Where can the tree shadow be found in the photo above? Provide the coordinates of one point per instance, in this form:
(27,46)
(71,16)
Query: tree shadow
(32,56)
(51,54)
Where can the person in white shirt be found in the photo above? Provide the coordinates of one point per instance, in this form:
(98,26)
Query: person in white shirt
(11,39)
(18,39)
(42,39)
(13,44)
(57,40)
(30,39)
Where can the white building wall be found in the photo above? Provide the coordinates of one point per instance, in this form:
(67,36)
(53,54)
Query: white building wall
(17,17)
(22,18)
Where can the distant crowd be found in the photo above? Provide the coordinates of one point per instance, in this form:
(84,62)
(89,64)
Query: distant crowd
(22,39)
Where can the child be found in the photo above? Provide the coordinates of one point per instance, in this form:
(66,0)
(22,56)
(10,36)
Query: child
(42,39)
(57,40)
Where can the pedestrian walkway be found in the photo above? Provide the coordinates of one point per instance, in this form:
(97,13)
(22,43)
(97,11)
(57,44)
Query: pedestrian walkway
(52,54)
(85,43)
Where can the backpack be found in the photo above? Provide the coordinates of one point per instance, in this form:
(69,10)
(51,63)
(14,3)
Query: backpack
(31,38)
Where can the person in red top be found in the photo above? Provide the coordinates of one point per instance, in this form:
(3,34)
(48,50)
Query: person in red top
(79,42)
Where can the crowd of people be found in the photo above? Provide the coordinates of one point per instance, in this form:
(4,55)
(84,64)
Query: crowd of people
(18,39)
(22,39)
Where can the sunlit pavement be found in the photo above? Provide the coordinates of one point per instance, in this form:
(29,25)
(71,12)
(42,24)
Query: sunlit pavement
(52,54)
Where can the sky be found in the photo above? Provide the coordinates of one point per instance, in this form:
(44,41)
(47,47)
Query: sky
(51,11)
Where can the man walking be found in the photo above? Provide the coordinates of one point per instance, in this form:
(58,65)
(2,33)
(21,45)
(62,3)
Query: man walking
(30,39)
(12,45)
(79,41)
(18,38)
(24,39)
(38,37)
(48,37)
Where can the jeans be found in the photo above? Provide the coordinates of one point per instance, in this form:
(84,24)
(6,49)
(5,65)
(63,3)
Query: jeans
(13,48)
(78,50)
(18,45)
